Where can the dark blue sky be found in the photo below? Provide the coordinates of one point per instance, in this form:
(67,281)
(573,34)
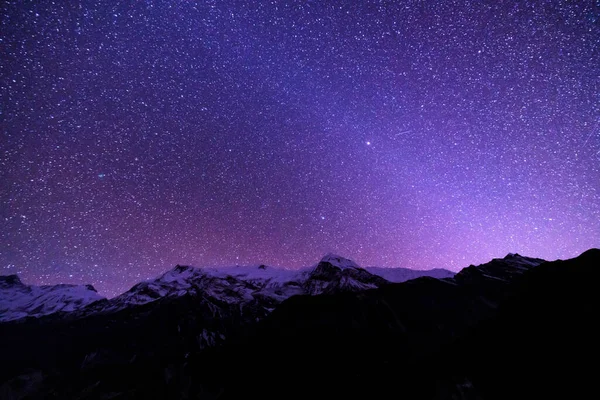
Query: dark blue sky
(138,135)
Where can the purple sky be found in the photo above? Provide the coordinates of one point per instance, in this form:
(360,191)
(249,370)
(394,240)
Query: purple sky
(141,134)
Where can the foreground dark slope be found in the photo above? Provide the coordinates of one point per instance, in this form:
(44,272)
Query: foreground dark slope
(544,341)
(427,339)
(120,350)
(505,329)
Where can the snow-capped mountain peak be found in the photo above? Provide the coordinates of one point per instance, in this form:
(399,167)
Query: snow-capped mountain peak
(181,274)
(338,261)
(339,274)
(18,300)
(245,286)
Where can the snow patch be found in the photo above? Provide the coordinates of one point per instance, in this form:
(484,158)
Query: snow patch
(338,261)
(18,300)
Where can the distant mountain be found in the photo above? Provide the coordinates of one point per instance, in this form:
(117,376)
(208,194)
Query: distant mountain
(398,275)
(232,285)
(261,284)
(18,300)
(502,268)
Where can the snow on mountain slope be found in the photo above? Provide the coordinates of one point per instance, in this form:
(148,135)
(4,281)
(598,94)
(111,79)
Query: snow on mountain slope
(261,272)
(398,275)
(18,300)
(245,284)
(231,285)
(337,274)
(339,262)
(261,284)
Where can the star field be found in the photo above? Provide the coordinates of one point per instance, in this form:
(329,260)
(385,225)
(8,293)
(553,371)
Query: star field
(137,135)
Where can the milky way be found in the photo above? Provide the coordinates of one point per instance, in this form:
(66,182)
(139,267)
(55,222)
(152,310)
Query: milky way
(138,135)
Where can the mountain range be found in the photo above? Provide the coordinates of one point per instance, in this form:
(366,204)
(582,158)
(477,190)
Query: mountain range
(511,328)
(238,284)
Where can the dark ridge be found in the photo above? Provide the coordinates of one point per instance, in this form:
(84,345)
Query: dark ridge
(91,287)
(10,280)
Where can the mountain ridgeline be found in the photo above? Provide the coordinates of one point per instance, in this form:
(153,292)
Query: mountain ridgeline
(515,327)
(233,285)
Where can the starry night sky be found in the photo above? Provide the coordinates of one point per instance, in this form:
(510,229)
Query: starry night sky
(141,134)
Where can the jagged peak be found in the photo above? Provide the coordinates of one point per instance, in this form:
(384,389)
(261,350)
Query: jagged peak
(338,261)
(179,273)
(91,287)
(517,256)
(10,280)
(182,268)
